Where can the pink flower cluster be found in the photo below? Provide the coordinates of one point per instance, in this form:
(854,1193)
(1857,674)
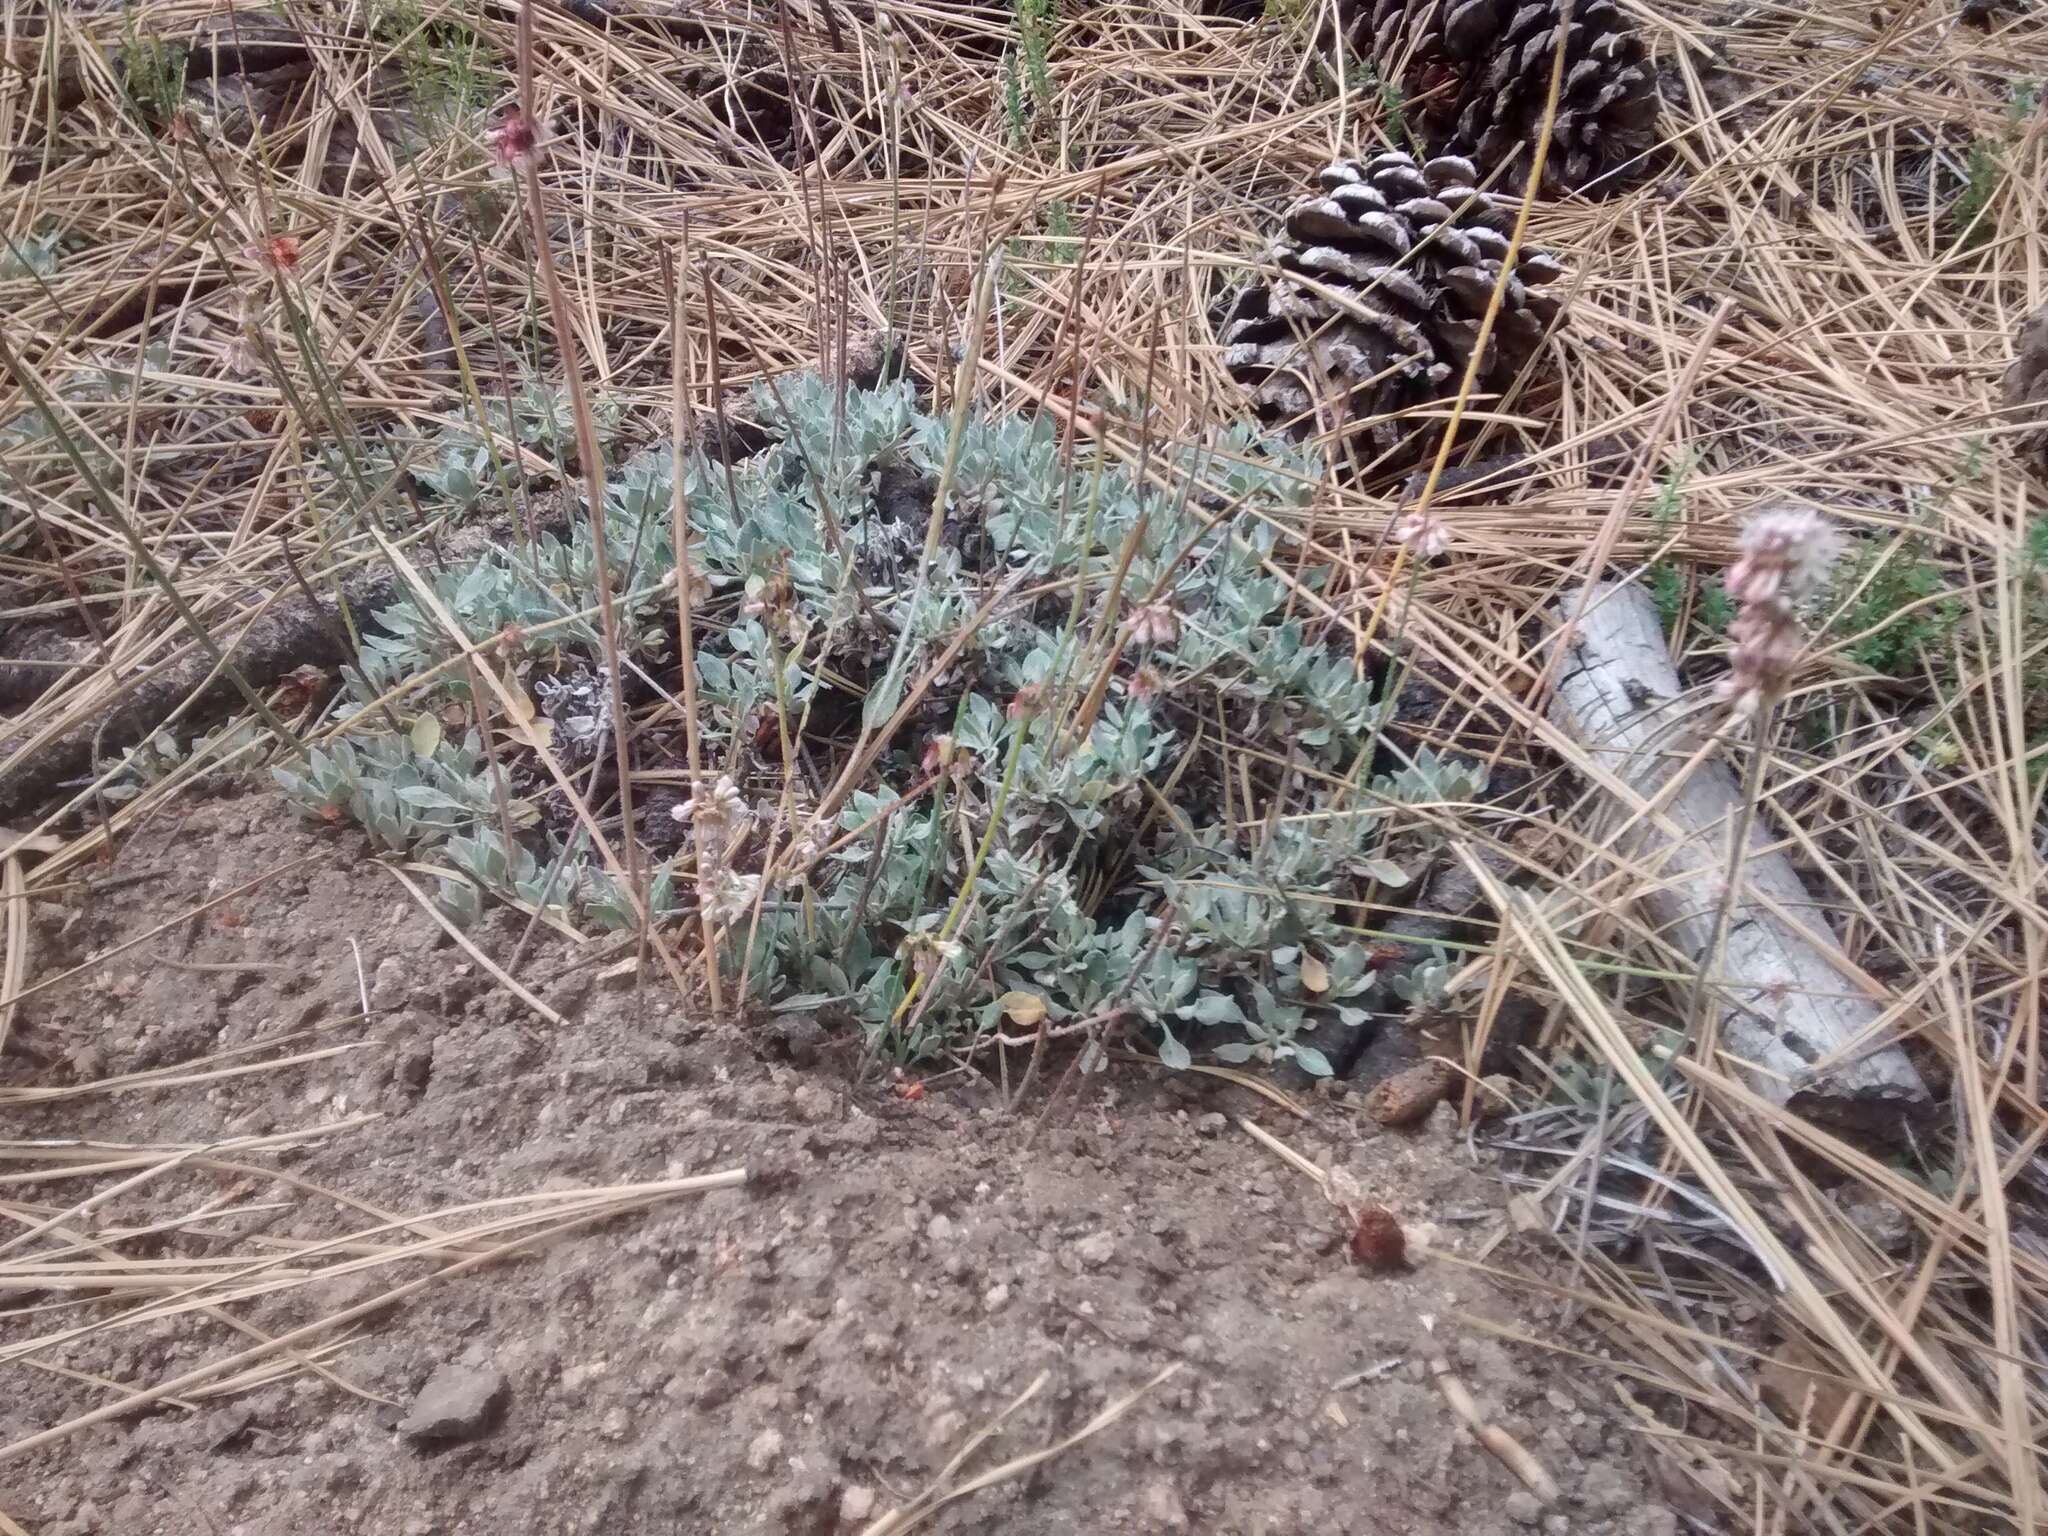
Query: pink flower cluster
(1786,555)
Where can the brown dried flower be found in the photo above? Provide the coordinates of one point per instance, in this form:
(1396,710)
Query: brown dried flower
(278,253)
(1378,1241)
(511,139)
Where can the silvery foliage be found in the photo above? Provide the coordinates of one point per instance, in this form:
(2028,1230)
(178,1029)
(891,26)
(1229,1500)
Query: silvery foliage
(403,799)
(1433,780)
(1256,946)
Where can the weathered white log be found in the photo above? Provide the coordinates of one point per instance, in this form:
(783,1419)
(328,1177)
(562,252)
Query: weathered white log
(1784,998)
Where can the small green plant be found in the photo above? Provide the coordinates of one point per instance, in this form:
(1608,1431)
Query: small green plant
(1985,168)
(154,72)
(161,754)
(1888,612)
(443,61)
(1670,584)
(403,797)
(1027,70)
(31,255)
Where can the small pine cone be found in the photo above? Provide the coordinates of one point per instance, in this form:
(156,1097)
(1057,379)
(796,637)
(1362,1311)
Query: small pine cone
(1410,1094)
(1413,252)
(1378,1241)
(2026,388)
(1477,76)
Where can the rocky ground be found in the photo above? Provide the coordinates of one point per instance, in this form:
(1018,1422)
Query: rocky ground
(797,1354)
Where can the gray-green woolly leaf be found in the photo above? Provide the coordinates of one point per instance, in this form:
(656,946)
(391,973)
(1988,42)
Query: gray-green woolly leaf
(1312,1061)
(1215,1008)
(1172,1053)
(1233,1053)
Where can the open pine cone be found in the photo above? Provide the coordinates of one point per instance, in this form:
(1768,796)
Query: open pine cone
(1477,75)
(1413,251)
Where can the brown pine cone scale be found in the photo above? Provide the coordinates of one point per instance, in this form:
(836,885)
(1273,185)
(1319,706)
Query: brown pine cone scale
(1478,75)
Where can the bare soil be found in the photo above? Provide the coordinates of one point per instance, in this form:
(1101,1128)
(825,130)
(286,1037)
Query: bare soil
(778,1356)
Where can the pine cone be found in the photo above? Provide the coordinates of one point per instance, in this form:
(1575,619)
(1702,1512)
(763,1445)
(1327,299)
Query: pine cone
(1415,253)
(1477,74)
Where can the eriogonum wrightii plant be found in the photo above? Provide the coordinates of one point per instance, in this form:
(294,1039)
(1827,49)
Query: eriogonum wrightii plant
(1025,826)
(1786,555)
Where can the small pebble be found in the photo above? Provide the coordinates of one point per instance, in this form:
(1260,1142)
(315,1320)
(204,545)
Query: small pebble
(765,1448)
(1523,1507)
(856,1504)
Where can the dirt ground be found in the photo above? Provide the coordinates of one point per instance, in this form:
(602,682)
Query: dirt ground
(797,1354)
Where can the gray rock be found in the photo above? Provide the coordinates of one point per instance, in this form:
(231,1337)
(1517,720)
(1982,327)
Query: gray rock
(765,1449)
(1095,1250)
(1162,1507)
(1607,1490)
(389,988)
(856,1504)
(459,1402)
(1523,1507)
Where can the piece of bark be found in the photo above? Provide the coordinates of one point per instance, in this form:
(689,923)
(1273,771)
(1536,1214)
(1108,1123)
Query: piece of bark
(1787,1004)
(34,659)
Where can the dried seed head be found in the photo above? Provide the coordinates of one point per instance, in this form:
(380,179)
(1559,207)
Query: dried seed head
(725,896)
(1378,1241)
(279,253)
(1425,533)
(714,816)
(1028,701)
(1787,553)
(1154,624)
(511,140)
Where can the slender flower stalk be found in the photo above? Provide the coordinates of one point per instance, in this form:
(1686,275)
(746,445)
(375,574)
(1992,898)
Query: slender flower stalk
(1787,553)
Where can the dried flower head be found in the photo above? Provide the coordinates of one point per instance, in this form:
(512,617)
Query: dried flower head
(1145,683)
(1378,1241)
(700,584)
(725,896)
(1786,555)
(1426,534)
(278,253)
(1154,624)
(243,357)
(511,139)
(1028,701)
(938,753)
(714,817)
(928,953)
